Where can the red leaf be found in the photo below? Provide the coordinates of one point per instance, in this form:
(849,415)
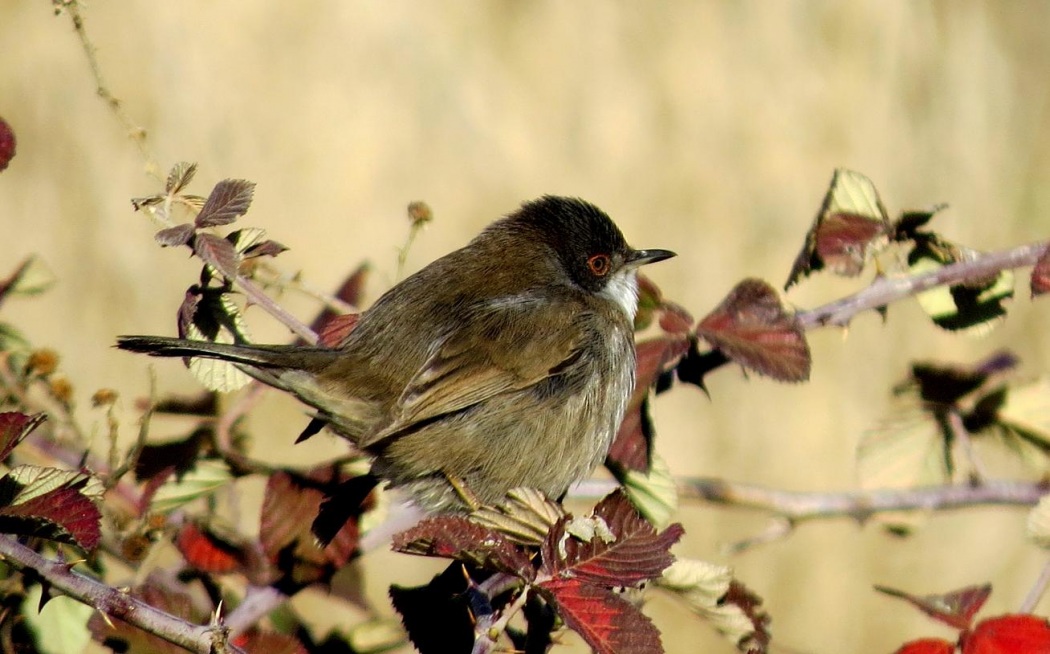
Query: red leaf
(675,319)
(218,252)
(265,249)
(350,292)
(752,328)
(335,329)
(927,646)
(751,604)
(289,508)
(635,554)
(1041,274)
(456,537)
(955,608)
(229,199)
(630,448)
(188,309)
(844,240)
(7,144)
(1008,634)
(14,426)
(62,514)
(606,621)
(206,551)
(259,642)
(175,236)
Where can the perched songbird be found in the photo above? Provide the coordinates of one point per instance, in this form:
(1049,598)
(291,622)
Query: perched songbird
(506,363)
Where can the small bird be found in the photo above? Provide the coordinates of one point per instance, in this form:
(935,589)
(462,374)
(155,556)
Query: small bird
(506,363)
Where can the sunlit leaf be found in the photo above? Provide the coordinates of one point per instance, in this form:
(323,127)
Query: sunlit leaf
(179,177)
(204,479)
(654,494)
(175,236)
(60,627)
(524,517)
(710,591)
(850,227)
(752,328)
(606,622)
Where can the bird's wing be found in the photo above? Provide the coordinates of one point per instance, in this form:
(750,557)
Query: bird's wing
(498,352)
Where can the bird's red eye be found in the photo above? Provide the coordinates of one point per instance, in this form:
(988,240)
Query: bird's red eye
(599,264)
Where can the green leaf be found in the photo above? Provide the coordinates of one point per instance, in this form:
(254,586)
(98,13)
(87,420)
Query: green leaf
(207,477)
(971,308)
(654,494)
(61,626)
(1038,526)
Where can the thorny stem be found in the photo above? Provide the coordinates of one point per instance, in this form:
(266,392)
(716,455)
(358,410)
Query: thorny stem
(114,603)
(886,290)
(488,630)
(136,132)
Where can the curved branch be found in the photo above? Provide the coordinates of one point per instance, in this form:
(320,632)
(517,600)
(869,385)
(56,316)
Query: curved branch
(886,290)
(112,602)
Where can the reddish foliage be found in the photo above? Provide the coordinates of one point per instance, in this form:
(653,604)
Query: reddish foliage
(955,608)
(207,552)
(63,514)
(927,646)
(217,252)
(1008,634)
(7,144)
(15,426)
(752,328)
(456,537)
(229,199)
(637,553)
(606,621)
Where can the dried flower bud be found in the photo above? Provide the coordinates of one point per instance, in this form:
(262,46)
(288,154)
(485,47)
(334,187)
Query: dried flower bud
(103,397)
(419,213)
(42,362)
(62,388)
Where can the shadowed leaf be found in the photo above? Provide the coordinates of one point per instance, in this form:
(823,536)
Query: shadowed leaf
(752,328)
(268,248)
(955,608)
(160,593)
(175,236)
(457,537)
(229,199)
(15,426)
(524,518)
(289,508)
(207,551)
(218,253)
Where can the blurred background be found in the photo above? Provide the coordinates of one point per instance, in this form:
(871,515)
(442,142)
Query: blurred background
(709,128)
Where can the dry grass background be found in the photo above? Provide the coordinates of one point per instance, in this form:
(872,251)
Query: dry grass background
(710,128)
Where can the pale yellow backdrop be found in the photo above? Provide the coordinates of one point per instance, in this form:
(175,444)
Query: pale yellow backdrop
(709,128)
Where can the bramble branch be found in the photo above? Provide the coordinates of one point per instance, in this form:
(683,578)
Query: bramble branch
(116,604)
(886,290)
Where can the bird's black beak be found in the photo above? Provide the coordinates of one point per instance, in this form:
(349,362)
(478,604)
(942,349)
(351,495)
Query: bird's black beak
(642,257)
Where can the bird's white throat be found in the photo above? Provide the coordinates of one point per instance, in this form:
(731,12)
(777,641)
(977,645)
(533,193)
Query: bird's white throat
(622,289)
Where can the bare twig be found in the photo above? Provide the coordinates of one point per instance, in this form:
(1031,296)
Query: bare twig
(856,504)
(136,132)
(258,297)
(1036,593)
(258,602)
(132,457)
(886,290)
(114,603)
